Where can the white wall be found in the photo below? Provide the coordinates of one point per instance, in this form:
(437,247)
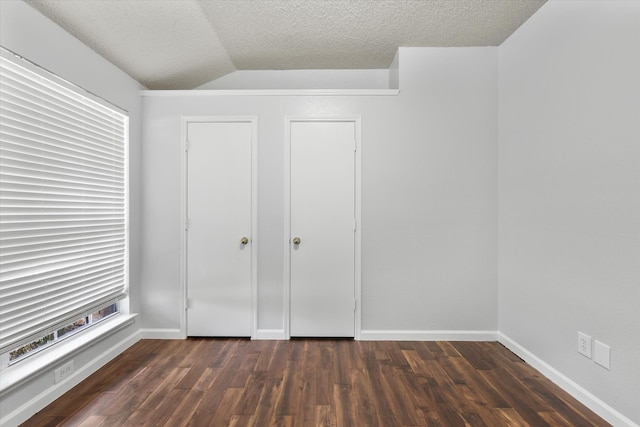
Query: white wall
(569,234)
(301,79)
(29,34)
(394,72)
(429,198)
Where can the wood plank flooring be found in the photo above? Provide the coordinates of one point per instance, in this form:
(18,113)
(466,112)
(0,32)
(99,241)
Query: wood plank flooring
(314,382)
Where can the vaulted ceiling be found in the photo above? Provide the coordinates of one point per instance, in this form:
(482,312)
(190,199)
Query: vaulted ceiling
(182,44)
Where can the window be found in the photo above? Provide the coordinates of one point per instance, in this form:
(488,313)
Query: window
(63,207)
(62,333)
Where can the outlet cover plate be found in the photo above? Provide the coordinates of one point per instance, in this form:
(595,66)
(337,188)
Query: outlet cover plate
(62,372)
(584,344)
(602,354)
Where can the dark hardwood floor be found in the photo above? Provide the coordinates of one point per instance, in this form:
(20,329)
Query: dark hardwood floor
(311,382)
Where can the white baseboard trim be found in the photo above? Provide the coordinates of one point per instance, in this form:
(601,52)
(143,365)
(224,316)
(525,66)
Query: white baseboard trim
(161,334)
(177,334)
(34,405)
(270,334)
(585,397)
(412,335)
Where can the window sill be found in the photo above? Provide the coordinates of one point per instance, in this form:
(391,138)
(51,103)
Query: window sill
(24,370)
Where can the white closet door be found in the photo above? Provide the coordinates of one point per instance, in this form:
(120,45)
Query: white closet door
(219,231)
(322,299)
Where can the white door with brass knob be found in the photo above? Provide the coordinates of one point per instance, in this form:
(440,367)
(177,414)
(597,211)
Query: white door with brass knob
(219,231)
(322,228)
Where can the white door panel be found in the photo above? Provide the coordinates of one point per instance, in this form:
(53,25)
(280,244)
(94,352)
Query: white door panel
(323,217)
(219,215)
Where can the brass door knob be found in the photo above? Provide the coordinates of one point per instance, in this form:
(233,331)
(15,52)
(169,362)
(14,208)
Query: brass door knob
(244,240)
(296,240)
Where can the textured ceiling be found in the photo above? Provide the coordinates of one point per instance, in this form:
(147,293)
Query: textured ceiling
(182,44)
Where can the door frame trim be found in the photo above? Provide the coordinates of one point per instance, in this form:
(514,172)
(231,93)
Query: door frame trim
(184,123)
(356,119)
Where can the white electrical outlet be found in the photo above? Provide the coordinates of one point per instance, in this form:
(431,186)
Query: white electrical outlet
(602,354)
(584,344)
(63,372)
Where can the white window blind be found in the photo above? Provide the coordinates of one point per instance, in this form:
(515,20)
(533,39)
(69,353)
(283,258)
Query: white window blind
(63,202)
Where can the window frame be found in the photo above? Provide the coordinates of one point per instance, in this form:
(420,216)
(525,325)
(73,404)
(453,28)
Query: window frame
(121,300)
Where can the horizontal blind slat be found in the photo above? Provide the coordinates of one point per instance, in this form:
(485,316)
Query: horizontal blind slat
(56,263)
(24,302)
(16,145)
(46,170)
(92,144)
(27,237)
(17,94)
(19,283)
(55,91)
(37,92)
(12,263)
(16,301)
